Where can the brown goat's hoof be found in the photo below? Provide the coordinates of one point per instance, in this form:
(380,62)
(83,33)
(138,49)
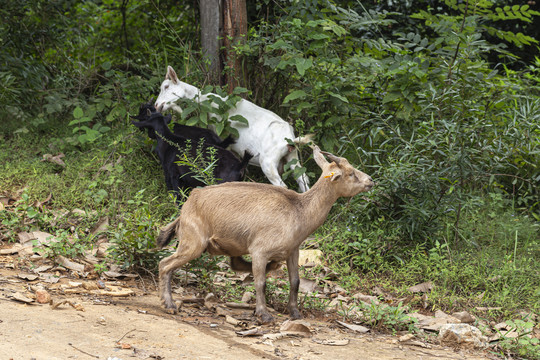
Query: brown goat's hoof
(265,318)
(170,308)
(171,311)
(295,314)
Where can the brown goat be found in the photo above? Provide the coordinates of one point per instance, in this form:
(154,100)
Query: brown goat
(265,221)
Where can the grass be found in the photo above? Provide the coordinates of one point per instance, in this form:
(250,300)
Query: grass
(493,262)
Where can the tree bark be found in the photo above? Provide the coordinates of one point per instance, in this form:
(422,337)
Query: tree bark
(210,43)
(234,33)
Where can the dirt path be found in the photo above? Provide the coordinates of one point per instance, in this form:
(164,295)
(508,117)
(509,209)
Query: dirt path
(135,327)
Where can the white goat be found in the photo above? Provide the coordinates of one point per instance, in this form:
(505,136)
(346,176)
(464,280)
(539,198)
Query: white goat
(264,137)
(267,222)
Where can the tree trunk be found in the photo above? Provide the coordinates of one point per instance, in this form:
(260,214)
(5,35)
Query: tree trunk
(210,31)
(234,33)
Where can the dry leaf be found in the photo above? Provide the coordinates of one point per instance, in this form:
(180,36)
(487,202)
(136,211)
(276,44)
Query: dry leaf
(57,159)
(307,286)
(240,305)
(358,328)
(299,327)
(332,342)
(310,258)
(101,226)
(42,268)
(368,299)
(275,336)
(251,332)
(423,287)
(235,322)
(29,277)
(76,306)
(68,264)
(20,297)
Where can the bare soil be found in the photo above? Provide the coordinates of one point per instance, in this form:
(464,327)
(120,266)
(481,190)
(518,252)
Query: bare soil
(135,327)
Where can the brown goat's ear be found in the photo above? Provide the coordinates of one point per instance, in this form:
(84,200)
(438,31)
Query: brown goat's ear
(318,157)
(333,173)
(337,174)
(171,75)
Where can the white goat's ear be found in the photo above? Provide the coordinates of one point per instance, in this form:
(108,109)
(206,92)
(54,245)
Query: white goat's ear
(171,75)
(318,157)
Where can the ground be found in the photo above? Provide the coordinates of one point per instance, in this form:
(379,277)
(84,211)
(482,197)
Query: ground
(95,324)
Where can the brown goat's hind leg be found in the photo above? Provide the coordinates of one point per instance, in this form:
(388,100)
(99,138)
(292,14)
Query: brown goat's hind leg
(294,279)
(259,275)
(188,249)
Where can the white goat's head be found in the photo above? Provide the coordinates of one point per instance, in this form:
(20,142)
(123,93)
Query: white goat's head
(173,89)
(345,179)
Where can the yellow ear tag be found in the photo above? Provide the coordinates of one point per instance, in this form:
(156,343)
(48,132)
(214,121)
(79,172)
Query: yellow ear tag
(331,174)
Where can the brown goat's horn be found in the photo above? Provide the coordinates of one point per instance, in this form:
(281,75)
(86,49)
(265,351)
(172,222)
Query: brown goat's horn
(148,112)
(332,157)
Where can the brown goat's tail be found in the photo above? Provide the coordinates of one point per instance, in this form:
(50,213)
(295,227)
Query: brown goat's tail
(166,234)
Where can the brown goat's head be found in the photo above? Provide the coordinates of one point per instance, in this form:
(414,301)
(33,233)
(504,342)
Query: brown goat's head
(343,177)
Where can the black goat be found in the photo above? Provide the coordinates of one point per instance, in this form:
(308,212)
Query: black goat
(189,132)
(169,150)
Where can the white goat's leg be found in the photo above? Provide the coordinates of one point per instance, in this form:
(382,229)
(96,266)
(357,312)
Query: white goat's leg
(303,180)
(259,275)
(188,249)
(269,167)
(294,279)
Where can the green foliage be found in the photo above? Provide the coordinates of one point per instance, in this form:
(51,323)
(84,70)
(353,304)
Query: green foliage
(134,238)
(524,344)
(382,316)
(23,216)
(213,111)
(202,166)
(439,104)
(64,244)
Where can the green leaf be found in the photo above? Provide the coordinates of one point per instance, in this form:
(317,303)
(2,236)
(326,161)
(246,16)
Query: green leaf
(219,127)
(297,94)
(204,118)
(391,96)
(240,119)
(192,121)
(78,112)
(188,110)
(239,90)
(338,96)
(302,65)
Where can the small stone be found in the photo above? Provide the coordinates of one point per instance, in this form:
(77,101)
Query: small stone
(406,337)
(464,317)
(462,334)
(248,295)
(43,296)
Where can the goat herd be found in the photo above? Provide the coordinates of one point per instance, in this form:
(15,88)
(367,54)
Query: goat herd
(238,218)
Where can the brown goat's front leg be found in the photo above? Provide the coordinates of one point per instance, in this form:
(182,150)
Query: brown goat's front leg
(259,275)
(294,279)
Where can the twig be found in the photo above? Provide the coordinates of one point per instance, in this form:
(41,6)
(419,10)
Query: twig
(84,352)
(117,341)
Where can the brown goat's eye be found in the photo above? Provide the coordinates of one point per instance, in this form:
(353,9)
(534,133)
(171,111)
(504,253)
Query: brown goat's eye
(166,87)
